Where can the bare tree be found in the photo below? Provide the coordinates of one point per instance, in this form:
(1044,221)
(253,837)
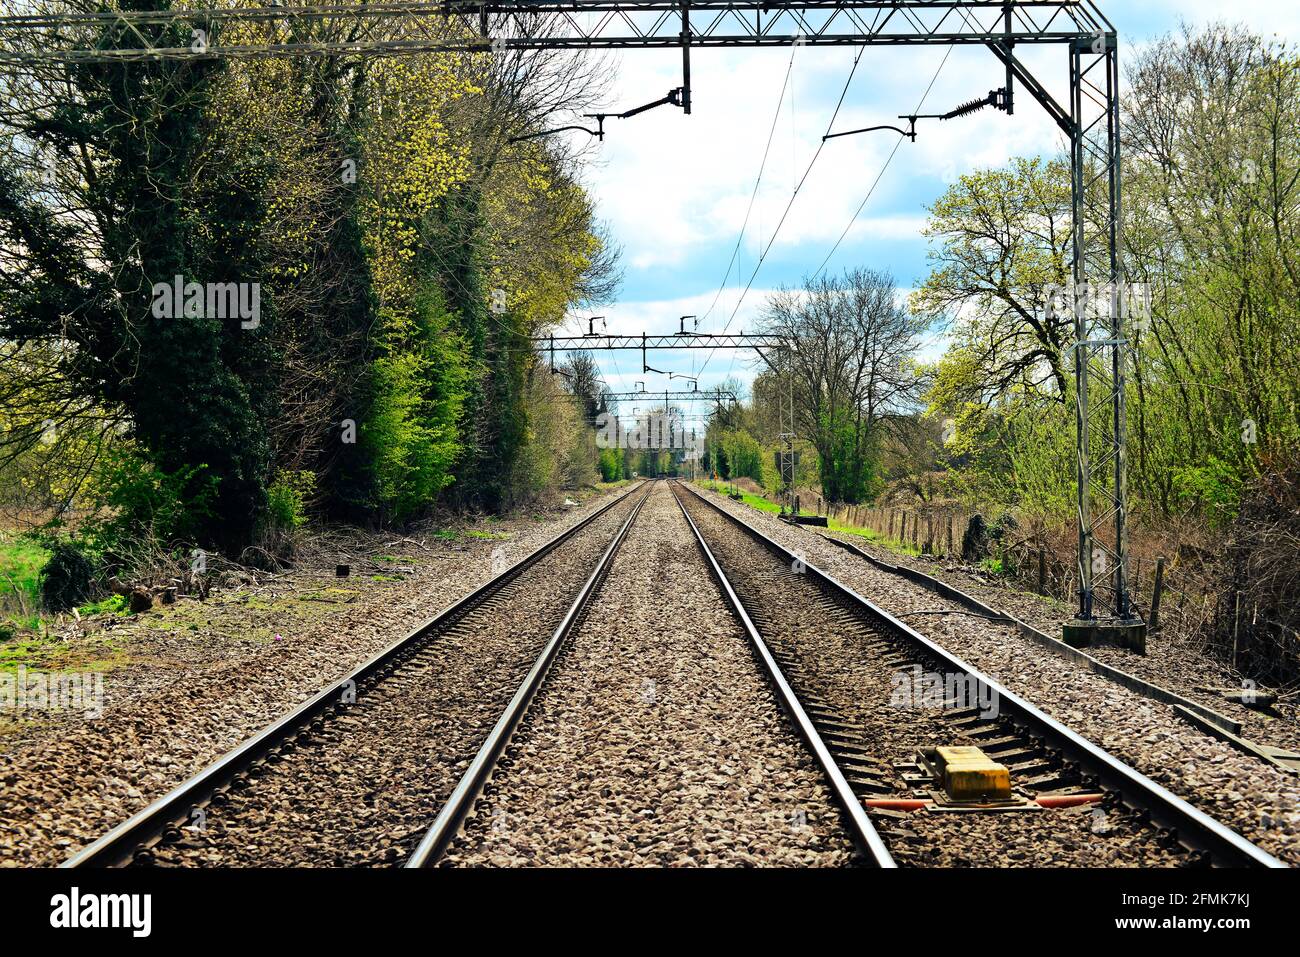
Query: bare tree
(850,372)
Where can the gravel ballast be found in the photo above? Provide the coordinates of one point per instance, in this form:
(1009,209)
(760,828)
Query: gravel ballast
(830,654)
(1256,800)
(656,740)
(1171,660)
(189,695)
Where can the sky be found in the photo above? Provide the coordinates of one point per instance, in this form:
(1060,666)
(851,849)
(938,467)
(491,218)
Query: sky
(674,188)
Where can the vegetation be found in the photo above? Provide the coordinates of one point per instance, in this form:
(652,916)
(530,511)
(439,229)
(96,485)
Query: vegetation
(21,560)
(236,294)
(1212,176)
(1211,234)
(851,378)
(240,295)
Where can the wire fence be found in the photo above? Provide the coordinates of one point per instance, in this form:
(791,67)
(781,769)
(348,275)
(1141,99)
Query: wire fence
(1188,591)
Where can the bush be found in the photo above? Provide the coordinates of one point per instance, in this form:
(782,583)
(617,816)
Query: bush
(975,540)
(1003,528)
(1258,618)
(144,503)
(286,499)
(67,580)
(744,456)
(611,465)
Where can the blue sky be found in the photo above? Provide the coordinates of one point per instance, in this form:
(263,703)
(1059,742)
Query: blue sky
(674,188)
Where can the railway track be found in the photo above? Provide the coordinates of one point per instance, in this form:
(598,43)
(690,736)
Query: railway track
(663,745)
(348,777)
(883,696)
(540,745)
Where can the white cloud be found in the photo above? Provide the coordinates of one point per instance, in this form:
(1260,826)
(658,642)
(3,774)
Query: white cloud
(675,188)
(1267,17)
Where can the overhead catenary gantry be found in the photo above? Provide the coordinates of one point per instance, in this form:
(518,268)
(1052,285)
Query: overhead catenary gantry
(667,395)
(1089,119)
(420,26)
(597,341)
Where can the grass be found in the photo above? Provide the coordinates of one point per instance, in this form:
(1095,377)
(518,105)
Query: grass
(996,566)
(35,651)
(753,501)
(760,503)
(332,595)
(489,536)
(832,524)
(871,535)
(21,561)
(113,604)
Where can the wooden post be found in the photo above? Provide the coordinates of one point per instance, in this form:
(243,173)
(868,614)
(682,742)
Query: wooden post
(1042,570)
(1156,592)
(1236,622)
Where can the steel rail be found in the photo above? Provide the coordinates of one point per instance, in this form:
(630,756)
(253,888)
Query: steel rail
(863,831)
(166,815)
(1195,829)
(447,824)
(1139,686)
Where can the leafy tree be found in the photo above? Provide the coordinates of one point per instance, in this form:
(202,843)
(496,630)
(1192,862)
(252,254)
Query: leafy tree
(111,205)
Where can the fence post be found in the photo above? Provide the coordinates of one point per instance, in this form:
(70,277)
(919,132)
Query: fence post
(1236,623)
(1157,590)
(1042,570)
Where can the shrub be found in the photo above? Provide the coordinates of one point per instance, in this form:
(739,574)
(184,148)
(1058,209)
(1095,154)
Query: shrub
(145,503)
(67,580)
(286,498)
(975,540)
(611,465)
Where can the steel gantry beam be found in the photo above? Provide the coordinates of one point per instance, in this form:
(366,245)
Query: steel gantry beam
(592,341)
(701,395)
(676,340)
(81,31)
(45,33)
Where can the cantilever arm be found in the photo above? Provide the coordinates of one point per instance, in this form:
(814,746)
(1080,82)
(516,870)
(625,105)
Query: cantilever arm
(599,133)
(674,97)
(909,133)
